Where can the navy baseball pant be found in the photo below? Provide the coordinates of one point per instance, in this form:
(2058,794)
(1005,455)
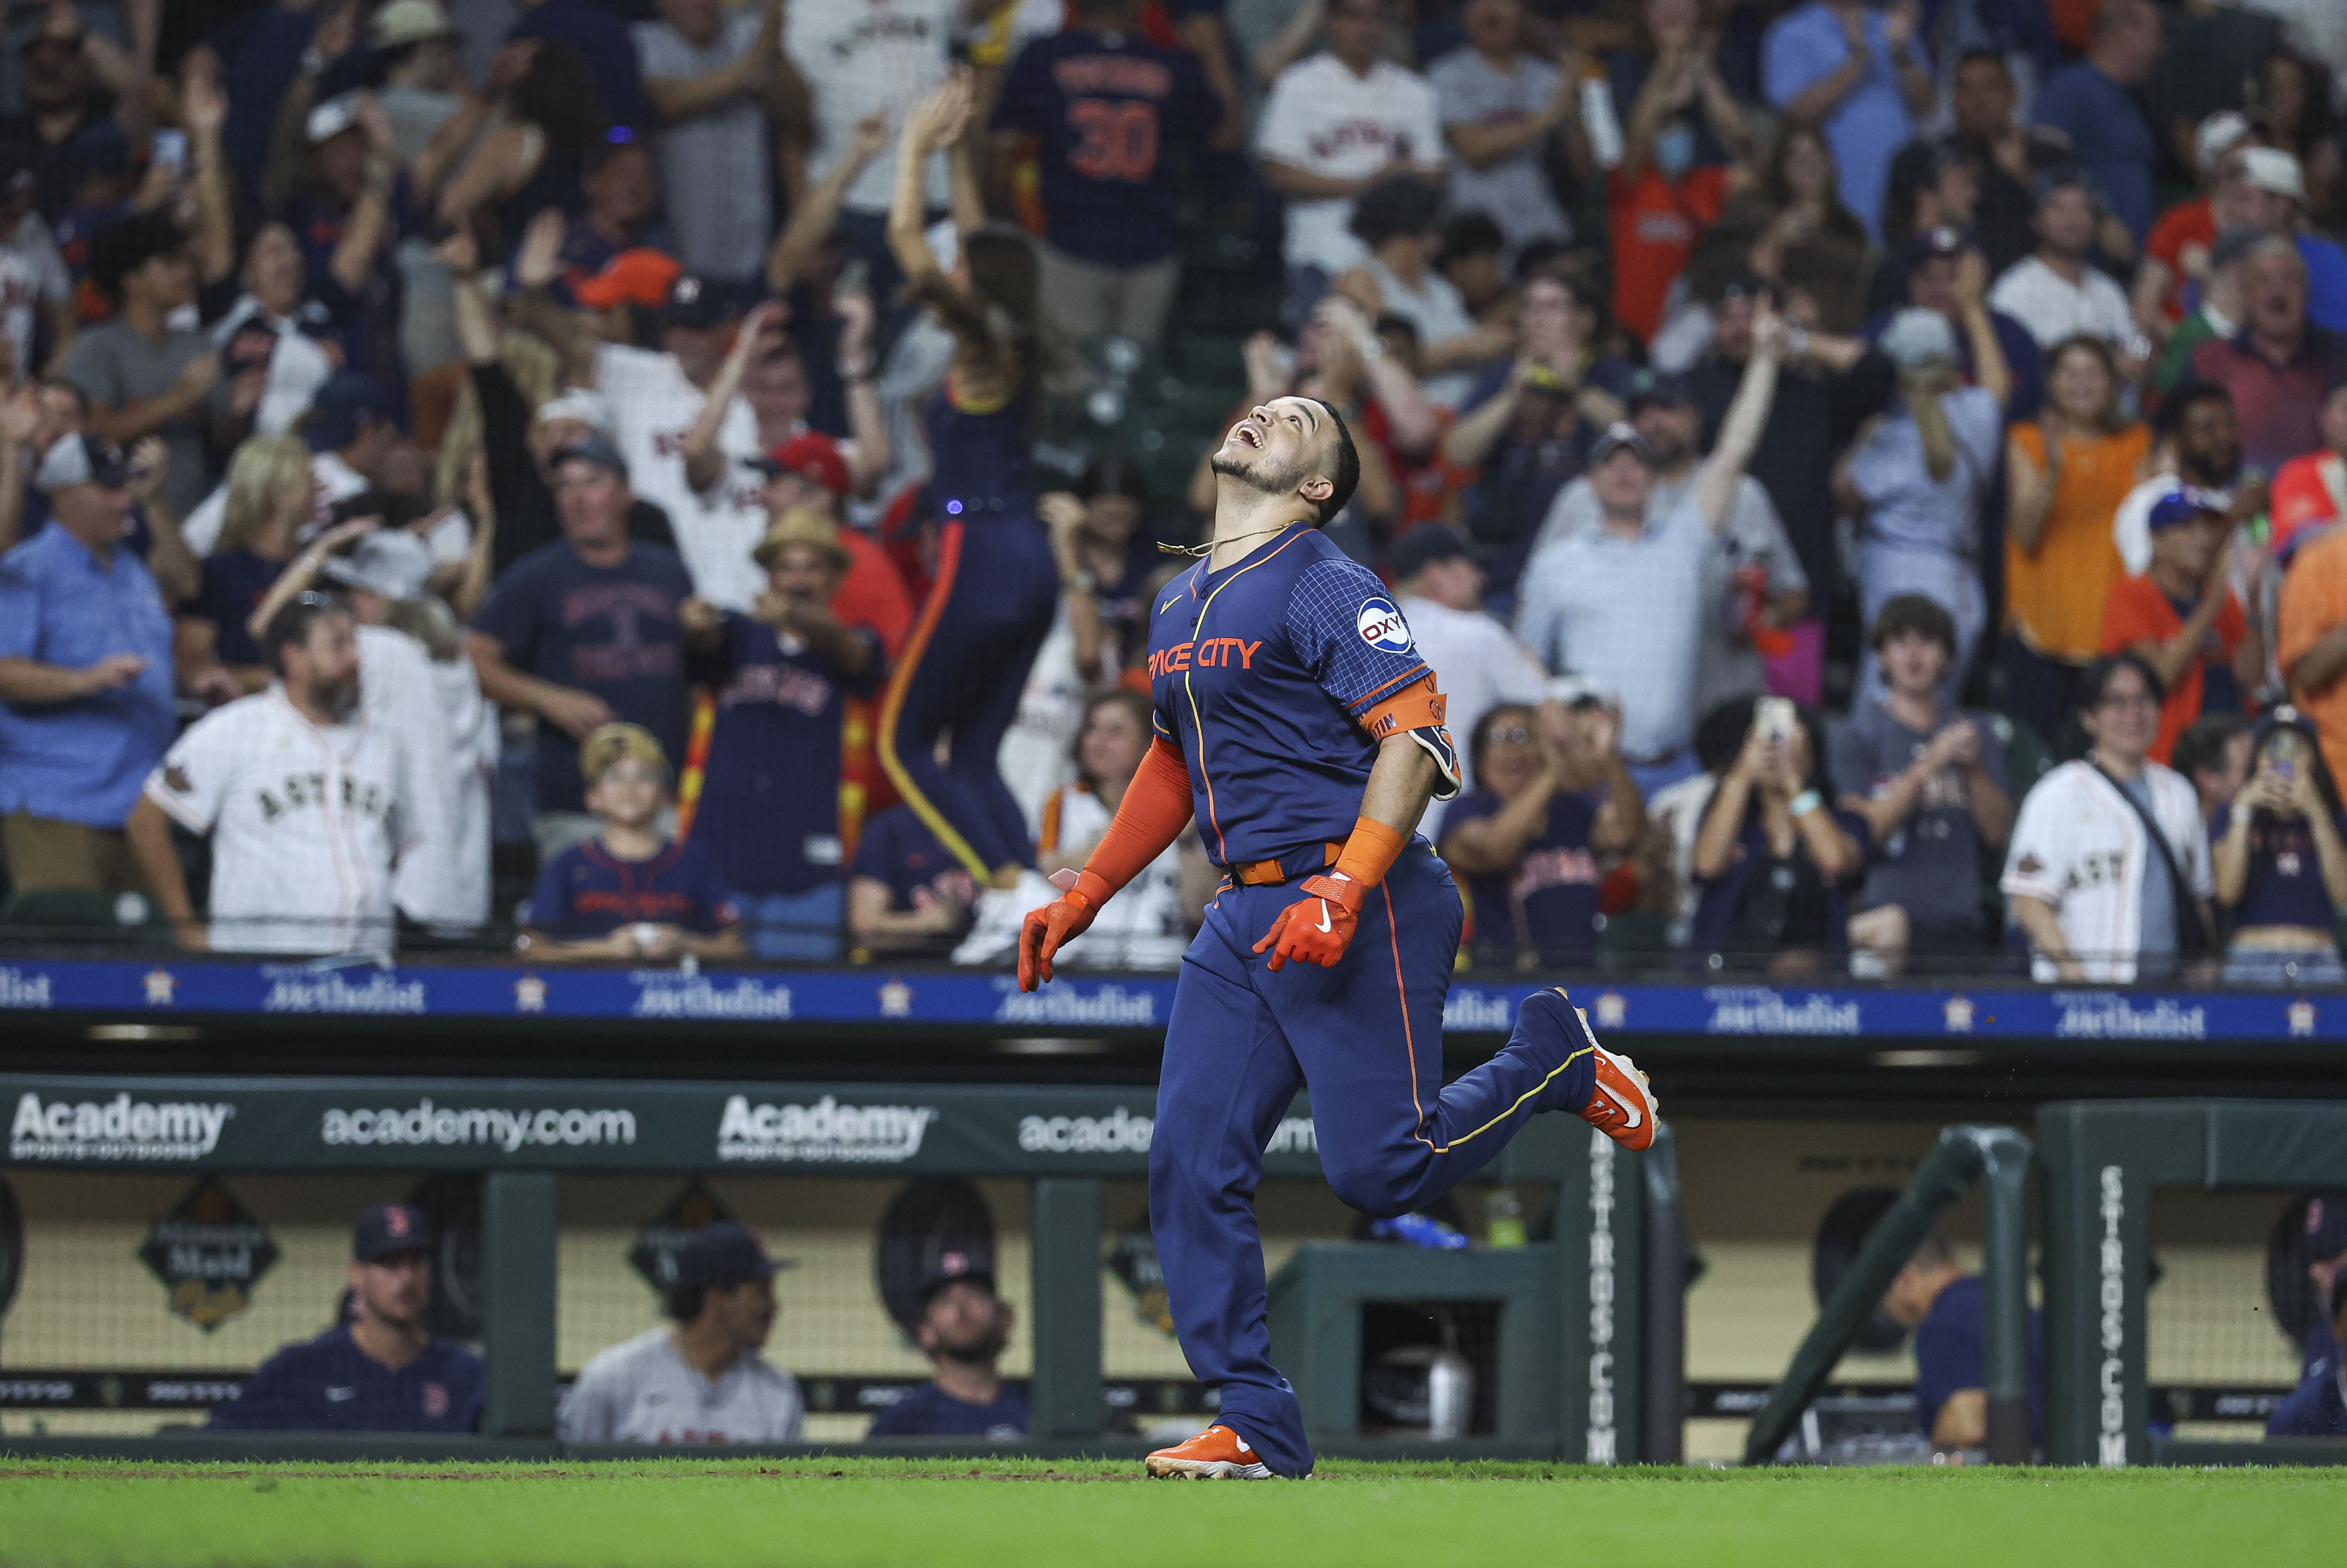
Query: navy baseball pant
(1366,1038)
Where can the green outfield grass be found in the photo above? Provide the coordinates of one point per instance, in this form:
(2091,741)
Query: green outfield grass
(1027,1514)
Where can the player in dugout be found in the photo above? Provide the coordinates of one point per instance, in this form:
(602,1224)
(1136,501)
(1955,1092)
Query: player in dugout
(1946,1308)
(1296,719)
(380,1370)
(963,1327)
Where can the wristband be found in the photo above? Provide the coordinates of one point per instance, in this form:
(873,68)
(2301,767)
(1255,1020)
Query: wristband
(1370,853)
(1808,801)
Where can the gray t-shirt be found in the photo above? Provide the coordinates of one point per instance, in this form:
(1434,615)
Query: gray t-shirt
(1513,192)
(1929,865)
(2155,949)
(642,1390)
(115,365)
(714,166)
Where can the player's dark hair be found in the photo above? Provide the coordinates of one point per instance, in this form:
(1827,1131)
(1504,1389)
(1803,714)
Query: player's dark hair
(2097,683)
(683,1302)
(1917,613)
(1932,1252)
(292,624)
(1343,472)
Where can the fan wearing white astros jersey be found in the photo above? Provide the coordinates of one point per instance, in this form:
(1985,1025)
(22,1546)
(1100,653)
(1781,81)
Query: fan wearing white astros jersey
(305,799)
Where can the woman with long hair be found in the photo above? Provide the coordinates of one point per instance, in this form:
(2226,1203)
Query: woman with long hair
(1800,188)
(2065,475)
(996,589)
(271,493)
(1778,864)
(1107,752)
(2278,849)
(549,128)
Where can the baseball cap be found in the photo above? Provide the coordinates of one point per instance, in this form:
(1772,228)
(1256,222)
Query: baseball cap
(333,117)
(1917,337)
(800,526)
(583,403)
(1661,389)
(614,744)
(2325,1232)
(2183,505)
(692,302)
(83,460)
(811,455)
(594,449)
(2271,170)
(406,22)
(2218,135)
(333,421)
(640,276)
(1617,436)
(1740,285)
(725,1254)
(1571,690)
(1942,240)
(1425,545)
(387,1229)
(956,1268)
(391,562)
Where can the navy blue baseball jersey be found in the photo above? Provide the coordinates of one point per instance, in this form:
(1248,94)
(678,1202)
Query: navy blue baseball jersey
(1105,107)
(330,1385)
(929,1412)
(770,790)
(587,891)
(1264,674)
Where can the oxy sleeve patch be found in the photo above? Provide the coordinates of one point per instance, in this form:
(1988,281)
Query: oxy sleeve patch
(1381,625)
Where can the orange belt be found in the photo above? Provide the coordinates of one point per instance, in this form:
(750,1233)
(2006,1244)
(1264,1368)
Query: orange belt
(1265,873)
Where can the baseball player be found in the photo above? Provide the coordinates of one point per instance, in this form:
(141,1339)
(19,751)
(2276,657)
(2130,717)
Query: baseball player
(1295,720)
(304,795)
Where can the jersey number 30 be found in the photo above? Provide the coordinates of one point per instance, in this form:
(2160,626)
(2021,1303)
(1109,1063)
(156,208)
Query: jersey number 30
(1119,138)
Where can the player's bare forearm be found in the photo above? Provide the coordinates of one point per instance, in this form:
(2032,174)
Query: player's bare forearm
(1402,781)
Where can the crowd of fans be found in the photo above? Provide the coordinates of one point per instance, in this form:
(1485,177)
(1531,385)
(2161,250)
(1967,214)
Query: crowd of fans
(457,450)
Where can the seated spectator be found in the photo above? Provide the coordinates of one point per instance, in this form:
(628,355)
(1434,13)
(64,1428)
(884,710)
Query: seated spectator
(2057,292)
(2090,102)
(629,892)
(1398,221)
(1334,125)
(1946,1309)
(1918,477)
(1931,787)
(2107,875)
(379,1369)
(2065,475)
(1860,76)
(270,496)
(2317,1408)
(2322,1242)
(2183,618)
(1780,867)
(309,807)
(86,687)
(963,1328)
(770,788)
(1107,750)
(1622,602)
(303,353)
(1531,837)
(1112,114)
(700,1379)
(2213,752)
(2196,445)
(1504,109)
(2281,363)
(2281,862)
(906,894)
(619,656)
(142,375)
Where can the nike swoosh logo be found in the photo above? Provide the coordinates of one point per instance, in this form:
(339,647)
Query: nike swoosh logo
(1637,1117)
(1241,1442)
(339,1395)
(1168,604)
(1324,914)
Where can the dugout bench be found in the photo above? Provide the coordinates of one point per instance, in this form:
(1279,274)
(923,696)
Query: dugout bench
(1587,1374)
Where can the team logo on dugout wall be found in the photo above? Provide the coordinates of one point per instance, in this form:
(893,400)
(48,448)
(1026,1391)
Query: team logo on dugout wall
(210,1252)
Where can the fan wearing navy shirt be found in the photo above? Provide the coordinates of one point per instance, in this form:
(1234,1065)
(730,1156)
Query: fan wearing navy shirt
(907,892)
(770,789)
(1106,107)
(379,1370)
(629,892)
(964,1326)
(2279,850)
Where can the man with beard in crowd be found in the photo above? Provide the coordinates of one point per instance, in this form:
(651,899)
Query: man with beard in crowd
(963,1327)
(2199,448)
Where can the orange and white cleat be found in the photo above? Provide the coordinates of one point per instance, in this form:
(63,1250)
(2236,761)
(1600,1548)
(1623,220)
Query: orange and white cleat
(1217,1453)
(1622,1105)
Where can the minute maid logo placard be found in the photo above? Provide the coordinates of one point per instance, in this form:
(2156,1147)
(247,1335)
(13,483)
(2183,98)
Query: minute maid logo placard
(210,1252)
(1382,626)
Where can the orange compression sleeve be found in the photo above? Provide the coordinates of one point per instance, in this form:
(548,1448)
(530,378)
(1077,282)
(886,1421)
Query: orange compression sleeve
(1370,852)
(1417,706)
(1155,809)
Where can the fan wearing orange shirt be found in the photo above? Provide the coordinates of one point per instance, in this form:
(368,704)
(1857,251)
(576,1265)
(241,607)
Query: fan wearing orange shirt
(2182,616)
(1660,199)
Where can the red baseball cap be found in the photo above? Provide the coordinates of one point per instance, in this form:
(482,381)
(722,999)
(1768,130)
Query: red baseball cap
(811,455)
(637,277)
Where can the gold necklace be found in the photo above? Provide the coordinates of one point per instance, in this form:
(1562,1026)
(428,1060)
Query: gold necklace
(1199,552)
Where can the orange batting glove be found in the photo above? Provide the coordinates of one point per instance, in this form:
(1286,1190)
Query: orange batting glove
(1316,928)
(1058,923)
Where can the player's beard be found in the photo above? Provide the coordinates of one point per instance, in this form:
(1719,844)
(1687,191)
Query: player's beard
(1258,475)
(979,1349)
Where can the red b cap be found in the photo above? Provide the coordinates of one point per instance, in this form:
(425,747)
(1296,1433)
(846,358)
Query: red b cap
(811,456)
(637,277)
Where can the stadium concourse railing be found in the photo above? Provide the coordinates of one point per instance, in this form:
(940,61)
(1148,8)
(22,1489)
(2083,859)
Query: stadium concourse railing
(1594,1392)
